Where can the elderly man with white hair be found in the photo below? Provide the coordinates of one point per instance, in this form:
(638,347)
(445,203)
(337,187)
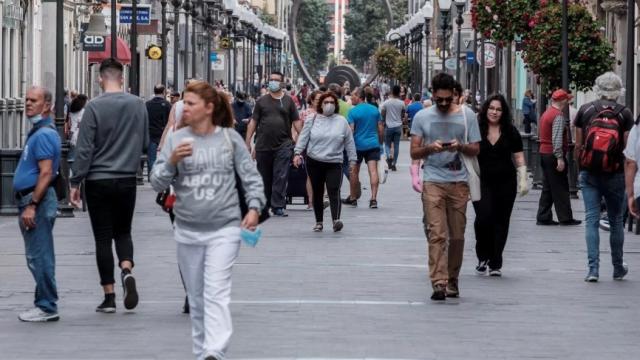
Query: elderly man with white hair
(602,128)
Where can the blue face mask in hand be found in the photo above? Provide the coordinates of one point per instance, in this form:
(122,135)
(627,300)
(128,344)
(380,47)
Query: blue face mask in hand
(249,237)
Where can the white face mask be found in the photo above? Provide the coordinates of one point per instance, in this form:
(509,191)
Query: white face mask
(328,109)
(35,119)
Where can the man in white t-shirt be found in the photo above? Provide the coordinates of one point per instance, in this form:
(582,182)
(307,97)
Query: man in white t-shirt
(394,113)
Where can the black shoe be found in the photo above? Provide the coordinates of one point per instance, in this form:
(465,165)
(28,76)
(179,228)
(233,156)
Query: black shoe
(571,222)
(373,204)
(481,269)
(452,288)
(129,287)
(393,168)
(185,307)
(210,357)
(439,292)
(349,201)
(550,222)
(108,306)
(337,225)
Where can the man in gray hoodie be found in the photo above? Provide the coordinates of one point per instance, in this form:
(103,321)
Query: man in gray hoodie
(113,137)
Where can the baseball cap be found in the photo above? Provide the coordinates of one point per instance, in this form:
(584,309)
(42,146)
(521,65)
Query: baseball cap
(560,95)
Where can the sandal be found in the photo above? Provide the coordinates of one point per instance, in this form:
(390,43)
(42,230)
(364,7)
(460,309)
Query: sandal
(318,227)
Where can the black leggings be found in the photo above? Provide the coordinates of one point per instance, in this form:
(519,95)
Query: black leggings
(111,203)
(493,214)
(321,174)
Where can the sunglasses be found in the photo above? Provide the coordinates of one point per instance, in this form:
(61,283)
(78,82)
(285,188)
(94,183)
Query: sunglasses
(447,100)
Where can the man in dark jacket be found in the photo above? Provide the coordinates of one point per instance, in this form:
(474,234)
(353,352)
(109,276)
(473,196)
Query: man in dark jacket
(158,109)
(242,112)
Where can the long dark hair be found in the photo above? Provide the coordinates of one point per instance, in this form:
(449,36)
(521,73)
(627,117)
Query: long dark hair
(506,120)
(78,103)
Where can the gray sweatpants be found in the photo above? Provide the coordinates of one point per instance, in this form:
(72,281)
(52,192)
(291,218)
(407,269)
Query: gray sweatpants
(206,270)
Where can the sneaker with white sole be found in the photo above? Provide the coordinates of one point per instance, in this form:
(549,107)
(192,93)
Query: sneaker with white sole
(481,269)
(621,273)
(108,305)
(130,292)
(495,272)
(38,315)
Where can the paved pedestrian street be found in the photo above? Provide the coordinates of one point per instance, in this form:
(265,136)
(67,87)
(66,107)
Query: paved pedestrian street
(362,293)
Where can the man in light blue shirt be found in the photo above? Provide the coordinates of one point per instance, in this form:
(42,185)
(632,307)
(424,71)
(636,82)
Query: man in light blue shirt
(440,136)
(368,131)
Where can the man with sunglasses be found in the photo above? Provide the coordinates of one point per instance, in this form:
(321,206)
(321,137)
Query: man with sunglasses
(440,135)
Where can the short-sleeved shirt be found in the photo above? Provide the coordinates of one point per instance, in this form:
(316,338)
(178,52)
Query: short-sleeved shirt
(393,112)
(431,125)
(344,108)
(496,161)
(365,118)
(43,144)
(413,109)
(588,112)
(632,152)
(274,118)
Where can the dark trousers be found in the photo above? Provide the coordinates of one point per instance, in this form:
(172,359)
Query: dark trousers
(111,203)
(527,121)
(493,214)
(329,174)
(555,191)
(273,166)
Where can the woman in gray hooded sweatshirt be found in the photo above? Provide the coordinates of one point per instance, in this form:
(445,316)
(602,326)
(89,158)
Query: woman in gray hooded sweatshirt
(203,158)
(325,137)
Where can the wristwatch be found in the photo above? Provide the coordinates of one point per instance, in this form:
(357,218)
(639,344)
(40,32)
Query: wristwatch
(34,203)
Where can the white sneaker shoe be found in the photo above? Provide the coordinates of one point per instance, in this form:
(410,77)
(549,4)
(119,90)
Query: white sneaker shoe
(37,315)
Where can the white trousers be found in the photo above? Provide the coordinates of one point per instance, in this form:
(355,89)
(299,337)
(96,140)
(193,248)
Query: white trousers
(206,270)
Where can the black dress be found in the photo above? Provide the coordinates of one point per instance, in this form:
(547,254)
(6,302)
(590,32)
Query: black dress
(498,182)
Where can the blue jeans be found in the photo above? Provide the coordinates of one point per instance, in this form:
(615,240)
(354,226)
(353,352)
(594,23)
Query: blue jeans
(38,244)
(152,153)
(392,135)
(611,188)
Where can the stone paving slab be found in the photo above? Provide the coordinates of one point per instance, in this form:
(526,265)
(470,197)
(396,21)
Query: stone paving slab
(359,294)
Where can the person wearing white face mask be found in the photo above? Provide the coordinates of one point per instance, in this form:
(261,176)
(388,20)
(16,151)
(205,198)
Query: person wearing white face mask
(325,137)
(37,202)
(273,116)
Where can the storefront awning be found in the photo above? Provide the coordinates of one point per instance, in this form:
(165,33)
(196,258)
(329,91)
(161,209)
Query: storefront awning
(124,54)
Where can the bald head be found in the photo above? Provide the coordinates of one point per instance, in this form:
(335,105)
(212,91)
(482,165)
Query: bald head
(38,101)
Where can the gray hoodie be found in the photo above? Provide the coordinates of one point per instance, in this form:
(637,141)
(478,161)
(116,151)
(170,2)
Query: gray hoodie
(326,139)
(205,184)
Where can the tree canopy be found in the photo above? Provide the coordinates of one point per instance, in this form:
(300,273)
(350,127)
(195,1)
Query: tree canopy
(314,34)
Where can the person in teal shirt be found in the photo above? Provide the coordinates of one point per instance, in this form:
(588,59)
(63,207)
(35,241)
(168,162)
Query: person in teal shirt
(368,132)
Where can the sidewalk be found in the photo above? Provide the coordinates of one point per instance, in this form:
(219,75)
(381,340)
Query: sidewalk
(361,293)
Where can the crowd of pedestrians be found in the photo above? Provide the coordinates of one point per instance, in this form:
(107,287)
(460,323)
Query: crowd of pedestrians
(226,161)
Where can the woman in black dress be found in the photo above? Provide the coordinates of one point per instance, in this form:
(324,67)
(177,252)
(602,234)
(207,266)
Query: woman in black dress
(500,180)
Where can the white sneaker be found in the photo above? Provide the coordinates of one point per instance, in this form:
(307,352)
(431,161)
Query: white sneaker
(37,315)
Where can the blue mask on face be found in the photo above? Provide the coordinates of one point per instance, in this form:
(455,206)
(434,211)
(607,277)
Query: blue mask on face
(274,86)
(35,119)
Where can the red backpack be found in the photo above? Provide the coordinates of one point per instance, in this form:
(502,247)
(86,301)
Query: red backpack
(602,150)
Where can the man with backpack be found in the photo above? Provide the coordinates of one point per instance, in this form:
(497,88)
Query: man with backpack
(554,145)
(602,128)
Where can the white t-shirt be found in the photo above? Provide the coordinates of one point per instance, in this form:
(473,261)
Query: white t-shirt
(76,118)
(632,152)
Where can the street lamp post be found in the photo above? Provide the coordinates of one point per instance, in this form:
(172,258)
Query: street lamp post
(114,29)
(629,98)
(565,46)
(187,10)
(176,38)
(445,9)
(259,67)
(133,43)
(234,19)
(194,17)
(163,39)
(427,13)
(460,4)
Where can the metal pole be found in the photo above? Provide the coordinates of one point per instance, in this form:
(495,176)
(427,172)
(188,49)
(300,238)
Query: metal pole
(259,66)
(193,43)
(445,25)
(186,41)
(208,56)
(114,29)
(427,33)
(176,39)
(163,38)
(565,46)
(630,63)
(64,210)
(459,22)
(482,69)
(509,74)
(474,71)
(133,43)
